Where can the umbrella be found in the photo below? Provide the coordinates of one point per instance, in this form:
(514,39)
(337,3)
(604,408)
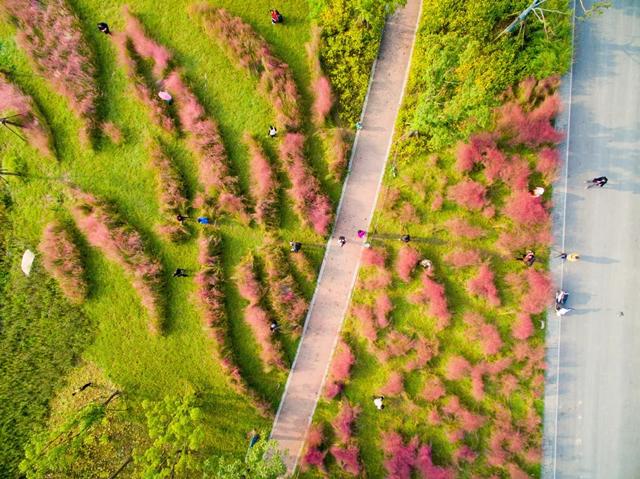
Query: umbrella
(27,261)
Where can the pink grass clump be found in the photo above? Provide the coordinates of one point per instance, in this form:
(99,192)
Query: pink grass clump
(52,36)
(427,469)
(210,281)
(406,262)
(487,334)
(364,314)
(394,385)
(145,47)
(435,296)
(526,209)
(311,204)
(539,291)
(323,99)
(436,202)
(400,458)
(530,128)
(425,350)
(373,257)
(264,187)
(248,285)
(252,52)
(515,173)
(62,260)
(380,279)
(433,389)
(205,141)
(105,230)
(338,152)
(469,193)
(382,308)
(468,154)
(483,285)
(461,227)
(13,101)
(348,458)
(523,327)
(171,194)
(460,258)
(548,163)
(344,421)
(457,368)
(303,265)
(313,456)
(398,344)
(340,370)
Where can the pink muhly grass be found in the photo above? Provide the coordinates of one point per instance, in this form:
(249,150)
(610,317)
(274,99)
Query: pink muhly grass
(519,239)
(460,258)
(210,280)
(248,285)
(468,154)
(465,454)
(457,368)
(477,382)
(259,322)
(400,457)
(433,389)
(313,456)
(311,204)
(383,307)
(340,370)
(523,327)
(323,99)
(469,422)
(145,47)
(435,295)
(407,214)
(394,385)
(398,344)
(461,227)
(425,350)
(494,162)
(206,142)
(539,291)
(487,334)
(483,285)
(112,132)
(52,36)
(469,193)
(264,183)
(516,473)
(303,265)
(344,422)
(426,468)
(15,102)
(171,193)
(252,52)
(548,163)
(105,230)
(509,383)
(364,314)
(532,128)
(406,262)
(348,458)
(62,260)
(373,257)
(515,173)
(436,202)
(526,209)
(338,151)
(379,280)
(282,288)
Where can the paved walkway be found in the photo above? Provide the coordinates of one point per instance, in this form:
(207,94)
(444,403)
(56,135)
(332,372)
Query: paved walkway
(340,265)
(592,404)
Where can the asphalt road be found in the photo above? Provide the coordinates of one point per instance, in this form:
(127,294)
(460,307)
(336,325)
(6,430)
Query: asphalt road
(592,403)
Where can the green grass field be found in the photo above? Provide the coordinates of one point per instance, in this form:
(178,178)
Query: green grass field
(110,329)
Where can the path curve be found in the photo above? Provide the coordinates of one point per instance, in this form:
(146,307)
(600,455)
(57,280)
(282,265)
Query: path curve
(340,265)
(592,398)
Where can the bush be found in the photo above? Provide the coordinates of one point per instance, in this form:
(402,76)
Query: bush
(62,260)
(252,52)
(63,58)
(434,294)
(539,292)
(383,307)
(523,327)
(457,368)
(487,334)
(171,192)
(263,181)
(461,258)
(205,141)
(373,257)
(525,209)
(313,456)
(340,370)
(483,285)
(406,262)
(400,457)
(348,458)
(548,164)
(469,193)
(433,389)
(343,422)
(533,128)
(312,206)
(105,230)
(15,102)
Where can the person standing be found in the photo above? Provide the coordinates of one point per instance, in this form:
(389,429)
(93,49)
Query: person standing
(295,246)
(104,28)
(361,234)
(378,402)
(180,273)
(342,240)
(272,131)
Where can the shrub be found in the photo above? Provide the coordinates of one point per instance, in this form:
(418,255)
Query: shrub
(469,193)
(533,128)
(105,230)
(313,456)
(515,173)
(253,53)
(548,163)
(206,143)
(65,59)
(15,102)
(457,368)
(373,257)
(433,389)
(494,163)
(340,370)
(461,258)
(343,422)
(483,285)
(434,293)
(400,457)
(62,260)
(312,206)
(425,466)
(348,458)
(468,154)
(383,307)
(338,151)
(523,327)
(364,314)
(406,262)
(394,385)
(539,291)
(171,192)
(460,227)
(525,209)
(263,181)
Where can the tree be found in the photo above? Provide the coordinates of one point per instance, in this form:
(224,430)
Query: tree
(261,462)
(177,434)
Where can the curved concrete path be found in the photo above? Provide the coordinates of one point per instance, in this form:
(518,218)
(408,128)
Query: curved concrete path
(592,404)
(340,265)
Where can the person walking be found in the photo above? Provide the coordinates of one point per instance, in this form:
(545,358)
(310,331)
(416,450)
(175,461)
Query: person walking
(378,402)
(361,234)
(561,297)
(104,28)
(295,246)
(561,310)
(342,240)
(600,181)
(272,131)
(405,238)
(181,218)
(180,273)
(274,326)
(276,17)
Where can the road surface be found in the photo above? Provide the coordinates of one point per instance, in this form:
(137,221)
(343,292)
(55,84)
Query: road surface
(592,403)
(340,265)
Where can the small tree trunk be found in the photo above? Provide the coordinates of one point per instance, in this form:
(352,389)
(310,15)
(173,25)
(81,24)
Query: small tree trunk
(121,468)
